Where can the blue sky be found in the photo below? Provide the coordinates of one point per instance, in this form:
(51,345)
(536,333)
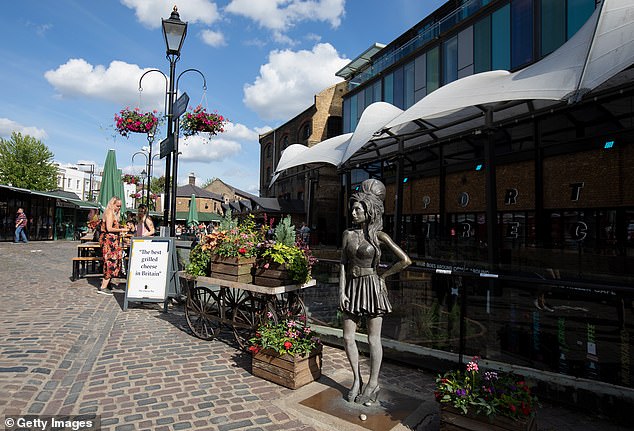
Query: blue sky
(70,65)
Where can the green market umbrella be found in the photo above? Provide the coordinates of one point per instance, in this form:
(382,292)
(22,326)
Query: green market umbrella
(111,182)
(192,217)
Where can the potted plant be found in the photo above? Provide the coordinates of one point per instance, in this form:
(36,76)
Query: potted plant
(134,121)
(199,120)
(473,397)
(283,260)
(231,250)
(286,352)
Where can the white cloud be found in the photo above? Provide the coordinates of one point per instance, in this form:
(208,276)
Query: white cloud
(213,38)
(150,12)
(288,82)
(281,15)
(204,149)
(9,126)
(118,83)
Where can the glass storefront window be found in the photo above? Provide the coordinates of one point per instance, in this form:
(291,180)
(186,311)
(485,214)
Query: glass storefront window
(578,13)
(500,41)
(450,60)
(433,74)
(482,45)
(553,25)
(521,32)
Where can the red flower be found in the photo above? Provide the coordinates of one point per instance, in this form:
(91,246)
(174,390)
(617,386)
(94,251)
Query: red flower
(254,349)
(513,408)
(288,345)
(242,250)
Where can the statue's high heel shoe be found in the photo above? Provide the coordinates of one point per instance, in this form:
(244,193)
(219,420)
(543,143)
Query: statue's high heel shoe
(370,398)
(353,394)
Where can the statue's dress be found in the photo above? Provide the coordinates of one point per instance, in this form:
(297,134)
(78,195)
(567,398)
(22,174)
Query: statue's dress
(363,286)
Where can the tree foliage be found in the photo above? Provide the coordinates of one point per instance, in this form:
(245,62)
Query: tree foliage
(157,185)
(27,163)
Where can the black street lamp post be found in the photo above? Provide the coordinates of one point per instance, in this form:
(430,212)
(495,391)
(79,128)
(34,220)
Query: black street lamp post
(174,32)
(143,176)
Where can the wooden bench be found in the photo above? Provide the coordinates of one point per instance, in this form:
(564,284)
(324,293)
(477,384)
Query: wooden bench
(80,272)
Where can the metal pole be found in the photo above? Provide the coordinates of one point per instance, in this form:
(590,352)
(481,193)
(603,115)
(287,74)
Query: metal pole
(168,158)
(174,181)
(149,171)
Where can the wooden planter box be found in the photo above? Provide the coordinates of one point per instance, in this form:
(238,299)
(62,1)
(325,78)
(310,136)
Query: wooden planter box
(453,420)
(232,268)
(273,276)
(286,370)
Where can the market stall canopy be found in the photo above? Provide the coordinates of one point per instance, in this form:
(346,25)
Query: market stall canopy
(338,149)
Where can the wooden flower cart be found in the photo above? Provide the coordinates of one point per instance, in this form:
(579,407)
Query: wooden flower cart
(214,302)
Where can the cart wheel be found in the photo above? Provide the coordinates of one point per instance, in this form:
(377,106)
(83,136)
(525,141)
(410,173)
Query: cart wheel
(247,315)
(290,305)
(202,312)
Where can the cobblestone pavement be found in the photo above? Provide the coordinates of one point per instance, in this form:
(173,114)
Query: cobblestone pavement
(66,350)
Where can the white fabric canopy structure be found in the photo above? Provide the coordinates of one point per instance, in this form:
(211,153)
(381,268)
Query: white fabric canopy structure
(340,148)
(602,48)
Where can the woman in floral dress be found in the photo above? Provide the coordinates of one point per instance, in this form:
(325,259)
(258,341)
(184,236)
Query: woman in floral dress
(110,243)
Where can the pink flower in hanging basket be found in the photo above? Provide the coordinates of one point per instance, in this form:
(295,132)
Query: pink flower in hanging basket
(199,120)
(134,121)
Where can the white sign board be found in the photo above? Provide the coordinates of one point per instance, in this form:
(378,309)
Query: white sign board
(148,269)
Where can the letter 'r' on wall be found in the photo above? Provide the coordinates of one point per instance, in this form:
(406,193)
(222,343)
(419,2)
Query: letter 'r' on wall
(510,198)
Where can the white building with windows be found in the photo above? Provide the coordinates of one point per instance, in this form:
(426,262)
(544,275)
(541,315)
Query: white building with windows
(73,179)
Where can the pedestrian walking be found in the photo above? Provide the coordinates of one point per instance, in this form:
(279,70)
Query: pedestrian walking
(304,233)
(20,227)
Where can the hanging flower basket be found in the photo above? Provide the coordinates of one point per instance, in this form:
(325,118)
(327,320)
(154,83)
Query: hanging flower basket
(134,121)
(200,121)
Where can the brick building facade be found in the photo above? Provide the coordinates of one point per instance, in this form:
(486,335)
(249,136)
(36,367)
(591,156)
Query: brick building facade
(318,187)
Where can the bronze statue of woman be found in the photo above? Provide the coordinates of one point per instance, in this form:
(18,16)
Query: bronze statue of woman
(362,291)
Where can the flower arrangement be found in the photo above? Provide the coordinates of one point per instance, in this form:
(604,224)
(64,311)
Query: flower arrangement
(130,179)
(233,238)
(488,393)
(134,121)
(199,120)
(288,336)
(285,250)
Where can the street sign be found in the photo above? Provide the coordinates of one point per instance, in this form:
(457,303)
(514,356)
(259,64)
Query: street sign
(167,146)
(180,106)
